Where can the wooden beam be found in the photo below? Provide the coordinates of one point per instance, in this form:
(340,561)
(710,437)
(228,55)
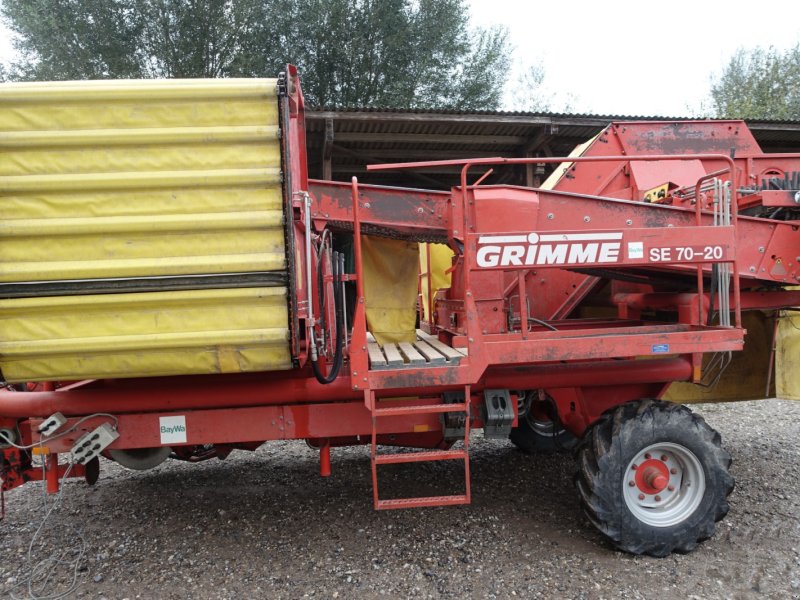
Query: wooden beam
(348,170)
(427,138)
(542,137)
(479,119)
(420,154)
(327,150)
(793,126)
(368,160)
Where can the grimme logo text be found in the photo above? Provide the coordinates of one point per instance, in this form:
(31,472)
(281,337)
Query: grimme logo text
(548,249)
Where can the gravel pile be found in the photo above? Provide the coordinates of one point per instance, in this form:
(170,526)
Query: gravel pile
(264,525)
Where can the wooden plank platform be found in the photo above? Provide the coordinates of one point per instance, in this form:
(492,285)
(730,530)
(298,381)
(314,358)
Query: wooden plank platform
(427,350)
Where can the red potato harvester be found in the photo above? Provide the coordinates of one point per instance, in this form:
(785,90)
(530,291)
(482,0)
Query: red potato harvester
(200,307)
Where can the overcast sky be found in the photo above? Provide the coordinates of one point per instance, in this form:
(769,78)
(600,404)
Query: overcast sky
(628,57)
(640,57)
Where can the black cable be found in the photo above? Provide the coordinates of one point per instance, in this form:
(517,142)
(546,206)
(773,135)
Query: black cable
(338,357)
(543,323)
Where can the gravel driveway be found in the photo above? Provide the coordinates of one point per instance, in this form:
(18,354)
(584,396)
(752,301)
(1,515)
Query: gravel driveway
(265,525)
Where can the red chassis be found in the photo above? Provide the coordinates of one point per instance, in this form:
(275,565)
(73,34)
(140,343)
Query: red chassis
(581,364)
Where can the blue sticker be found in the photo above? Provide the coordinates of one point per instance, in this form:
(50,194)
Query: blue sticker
(660,348)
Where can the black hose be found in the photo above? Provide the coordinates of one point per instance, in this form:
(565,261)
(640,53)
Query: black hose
(321,287)
(339,319)
(542,323)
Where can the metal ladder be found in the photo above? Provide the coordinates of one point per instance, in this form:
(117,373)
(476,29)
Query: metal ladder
(413,457)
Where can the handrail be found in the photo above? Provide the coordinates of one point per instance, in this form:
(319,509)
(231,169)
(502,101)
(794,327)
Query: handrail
(466,164)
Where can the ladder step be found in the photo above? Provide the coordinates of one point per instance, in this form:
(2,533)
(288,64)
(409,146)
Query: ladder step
(420,502)
(427,456)
(419,410)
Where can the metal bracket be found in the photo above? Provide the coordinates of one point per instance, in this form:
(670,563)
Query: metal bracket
(454,423)
(499,414)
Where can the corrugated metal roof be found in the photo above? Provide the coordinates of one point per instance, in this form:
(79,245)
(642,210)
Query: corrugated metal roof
(364,135)
(517,113)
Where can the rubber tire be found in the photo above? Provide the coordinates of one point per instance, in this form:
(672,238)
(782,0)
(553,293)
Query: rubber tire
(531,441)
(609,446)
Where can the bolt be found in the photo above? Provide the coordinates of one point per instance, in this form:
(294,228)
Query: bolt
(752,269)
(664,458)
(550,216)
(629,222)
(655,479)
(586,219)
(658,498)
(641,496)
(671,488)
(355,373)
(673,470)
(647,456)
(634,467)
(761,249)
(631,483)
(367,205)
(420,210)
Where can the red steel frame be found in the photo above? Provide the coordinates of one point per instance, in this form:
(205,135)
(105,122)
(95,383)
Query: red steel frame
(581,364)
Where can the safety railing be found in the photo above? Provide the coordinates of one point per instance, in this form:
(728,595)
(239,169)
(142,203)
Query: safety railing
(468,208)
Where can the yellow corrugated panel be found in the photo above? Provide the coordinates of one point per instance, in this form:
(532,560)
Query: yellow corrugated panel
(130,179)
(158,333)
(139,178)
(746,376)
(787,374)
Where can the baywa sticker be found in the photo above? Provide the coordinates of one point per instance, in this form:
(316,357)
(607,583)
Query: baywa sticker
(173,430)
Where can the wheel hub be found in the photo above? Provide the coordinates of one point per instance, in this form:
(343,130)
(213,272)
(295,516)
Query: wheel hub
(652,476)
(663,484)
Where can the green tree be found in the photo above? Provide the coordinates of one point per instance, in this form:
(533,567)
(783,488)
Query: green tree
(74,39)
(386,53)
(759,84)
(193,38)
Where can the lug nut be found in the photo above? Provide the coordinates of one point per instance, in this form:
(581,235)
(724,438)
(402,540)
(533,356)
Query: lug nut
(658,498)
(671,488)
(641,496)
(631,483)
(634,467)
(674,471)
(664,458)
(647,456)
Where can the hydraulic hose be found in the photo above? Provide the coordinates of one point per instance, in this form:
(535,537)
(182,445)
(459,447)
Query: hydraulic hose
(339,321)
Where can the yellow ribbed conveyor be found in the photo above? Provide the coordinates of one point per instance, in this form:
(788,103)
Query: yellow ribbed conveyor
(141,229)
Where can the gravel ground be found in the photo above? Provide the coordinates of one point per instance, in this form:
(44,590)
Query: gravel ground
(264,525)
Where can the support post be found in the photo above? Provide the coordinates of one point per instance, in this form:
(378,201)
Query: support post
(325,458)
